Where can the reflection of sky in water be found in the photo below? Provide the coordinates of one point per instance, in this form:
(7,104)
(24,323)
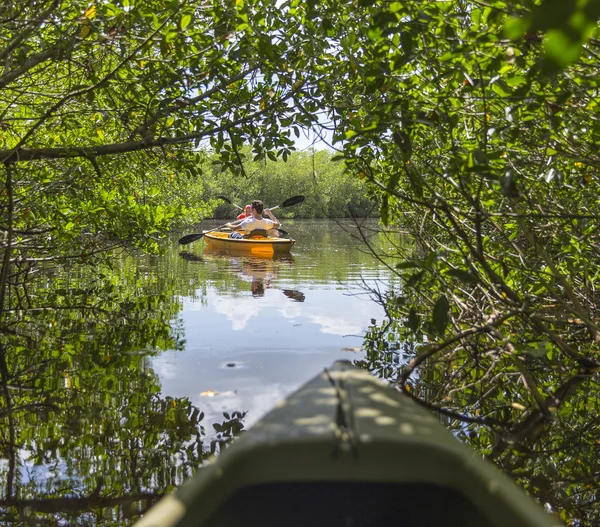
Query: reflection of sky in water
(253,350)
(274,342)
(320,308)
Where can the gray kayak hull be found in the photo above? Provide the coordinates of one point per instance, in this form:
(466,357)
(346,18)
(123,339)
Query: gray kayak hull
(348,450)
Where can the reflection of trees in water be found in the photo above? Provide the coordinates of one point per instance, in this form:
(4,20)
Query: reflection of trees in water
(85,432)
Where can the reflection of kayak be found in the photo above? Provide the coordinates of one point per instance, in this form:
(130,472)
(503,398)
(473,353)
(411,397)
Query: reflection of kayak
(214,253)
(256,244)
(298,296)
(344,450)
(258,267)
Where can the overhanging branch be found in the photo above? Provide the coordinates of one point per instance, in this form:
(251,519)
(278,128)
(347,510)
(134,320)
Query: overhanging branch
(16,155)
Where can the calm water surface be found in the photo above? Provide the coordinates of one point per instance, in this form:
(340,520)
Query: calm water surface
(128,377)
(260,327)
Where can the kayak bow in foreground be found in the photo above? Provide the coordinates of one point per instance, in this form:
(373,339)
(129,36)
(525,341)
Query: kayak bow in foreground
(347,450)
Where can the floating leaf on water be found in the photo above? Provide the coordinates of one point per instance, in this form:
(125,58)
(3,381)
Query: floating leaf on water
(208,393)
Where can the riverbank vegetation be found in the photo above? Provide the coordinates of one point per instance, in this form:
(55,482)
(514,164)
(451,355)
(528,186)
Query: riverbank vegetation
(331,190)
(480,130)
(472,124)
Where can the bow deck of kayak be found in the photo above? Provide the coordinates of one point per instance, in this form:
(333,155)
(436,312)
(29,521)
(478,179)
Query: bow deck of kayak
(347,450)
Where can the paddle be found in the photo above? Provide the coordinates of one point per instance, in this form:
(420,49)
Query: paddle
(294,200)
(189,238)
(283,233)
(227,200)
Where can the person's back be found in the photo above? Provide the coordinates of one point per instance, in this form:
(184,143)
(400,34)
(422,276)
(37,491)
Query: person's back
(256,221)
(252,224)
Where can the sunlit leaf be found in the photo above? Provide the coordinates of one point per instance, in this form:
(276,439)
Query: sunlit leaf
(90,12)
(185,21)
(85,29)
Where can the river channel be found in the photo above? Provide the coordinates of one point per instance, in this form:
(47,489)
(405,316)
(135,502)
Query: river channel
(121,381)
(262,326)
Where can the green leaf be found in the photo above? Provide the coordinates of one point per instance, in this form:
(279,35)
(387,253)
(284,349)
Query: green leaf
(384,210)
(414,279)
(515,28)
(185,21)
(463,276)
(413,321)
(537,349)
(406,42)
(440,314)
(560,50)
(406,265)
(393,181)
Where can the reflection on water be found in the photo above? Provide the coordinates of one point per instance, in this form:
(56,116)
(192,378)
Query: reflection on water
(298,296)
(280,319)
(260,270)
(121,380)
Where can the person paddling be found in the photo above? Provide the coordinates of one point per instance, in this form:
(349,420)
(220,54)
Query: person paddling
(255,222)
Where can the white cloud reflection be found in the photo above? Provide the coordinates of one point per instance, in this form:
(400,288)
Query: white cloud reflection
(352,320)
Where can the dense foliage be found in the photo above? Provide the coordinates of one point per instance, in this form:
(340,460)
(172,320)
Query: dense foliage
(478,124)
(102,109)
(330,190)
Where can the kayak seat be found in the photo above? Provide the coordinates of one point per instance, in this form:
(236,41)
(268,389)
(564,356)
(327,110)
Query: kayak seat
(256,233)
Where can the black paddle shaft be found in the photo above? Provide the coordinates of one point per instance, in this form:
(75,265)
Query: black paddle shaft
(189,238)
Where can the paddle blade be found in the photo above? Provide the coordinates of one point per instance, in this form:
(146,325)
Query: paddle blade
(294,200)
(298,296)
(189,238)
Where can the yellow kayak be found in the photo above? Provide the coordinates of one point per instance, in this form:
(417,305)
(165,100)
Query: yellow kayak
(254,245)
